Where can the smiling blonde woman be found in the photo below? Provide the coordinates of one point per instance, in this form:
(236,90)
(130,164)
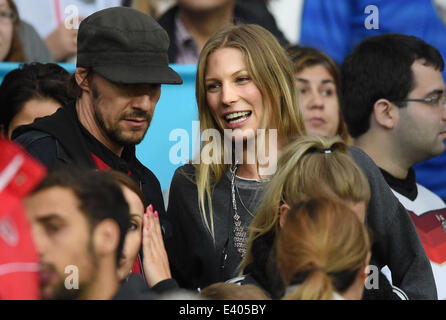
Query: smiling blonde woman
(244,84)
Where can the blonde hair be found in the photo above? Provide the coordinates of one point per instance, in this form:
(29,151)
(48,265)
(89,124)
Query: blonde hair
(305,171)
(233,291)
(321,247)
(150,7)
(270,70)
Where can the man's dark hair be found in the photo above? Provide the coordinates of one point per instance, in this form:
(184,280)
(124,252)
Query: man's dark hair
(100,196)
(380,68)
(32,81)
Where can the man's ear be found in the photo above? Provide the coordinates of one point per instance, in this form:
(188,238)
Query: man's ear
(106,238)
(82,79)
(385,113)
(283,213)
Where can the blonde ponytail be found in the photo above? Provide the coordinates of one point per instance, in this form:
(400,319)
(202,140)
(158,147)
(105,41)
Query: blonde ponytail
(321,248)
(317,286)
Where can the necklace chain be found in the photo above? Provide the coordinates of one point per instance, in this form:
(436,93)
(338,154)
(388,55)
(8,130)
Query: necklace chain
(240,232)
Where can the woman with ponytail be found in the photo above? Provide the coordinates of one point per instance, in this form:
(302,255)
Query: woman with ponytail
(323,250)
(309,167)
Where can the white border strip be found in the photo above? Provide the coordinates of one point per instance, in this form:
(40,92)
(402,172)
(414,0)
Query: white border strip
(10,171)
(18,267)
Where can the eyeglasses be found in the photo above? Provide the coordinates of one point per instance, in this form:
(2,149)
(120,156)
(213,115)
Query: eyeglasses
(7,16)
(437,100)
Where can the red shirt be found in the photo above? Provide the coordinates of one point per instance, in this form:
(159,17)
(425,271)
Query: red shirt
(19,264)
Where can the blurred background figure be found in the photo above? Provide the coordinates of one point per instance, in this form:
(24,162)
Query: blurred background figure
(190,23)
(150,7)
(61,19)
(323,250)
(336,27)
(19,41)
(232,291)
(19,267)
(318,83)
(33,90)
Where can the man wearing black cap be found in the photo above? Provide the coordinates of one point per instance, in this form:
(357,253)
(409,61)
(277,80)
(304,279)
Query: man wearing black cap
(121,64)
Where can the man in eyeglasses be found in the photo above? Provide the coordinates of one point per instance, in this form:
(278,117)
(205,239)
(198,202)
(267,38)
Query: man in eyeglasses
(394,106)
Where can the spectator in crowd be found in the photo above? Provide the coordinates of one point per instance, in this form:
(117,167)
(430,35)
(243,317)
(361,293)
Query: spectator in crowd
(314,166)
(130,257)
(116,98)
(323,250)
(190,23)
(79,219)
(20,42)
(336,27)
(232,291)
(19,263)
(394,105)
(318,82)
(61,22)
(32,91)
(244,81)
(144,229)
(150,7)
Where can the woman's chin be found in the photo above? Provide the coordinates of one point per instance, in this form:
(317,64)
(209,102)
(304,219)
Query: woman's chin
(319,132)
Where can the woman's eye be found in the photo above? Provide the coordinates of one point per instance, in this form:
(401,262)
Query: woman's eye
(212,86)
(4,14)
(327,93)
(302,90)
(133,226)
(243,79)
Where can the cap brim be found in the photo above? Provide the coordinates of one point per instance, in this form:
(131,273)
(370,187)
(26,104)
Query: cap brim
(129,74)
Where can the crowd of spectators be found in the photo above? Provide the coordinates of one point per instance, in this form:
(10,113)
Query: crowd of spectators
(306,185)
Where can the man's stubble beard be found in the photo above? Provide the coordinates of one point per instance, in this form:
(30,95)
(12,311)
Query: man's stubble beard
(63,293)
(114,133)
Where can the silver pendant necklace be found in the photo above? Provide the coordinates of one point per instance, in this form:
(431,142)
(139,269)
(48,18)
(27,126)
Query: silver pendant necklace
(240,232)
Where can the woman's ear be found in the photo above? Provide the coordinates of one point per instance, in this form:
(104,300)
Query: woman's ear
(283,213)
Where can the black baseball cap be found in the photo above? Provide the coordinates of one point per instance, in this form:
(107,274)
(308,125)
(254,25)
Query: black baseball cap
(124,45)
